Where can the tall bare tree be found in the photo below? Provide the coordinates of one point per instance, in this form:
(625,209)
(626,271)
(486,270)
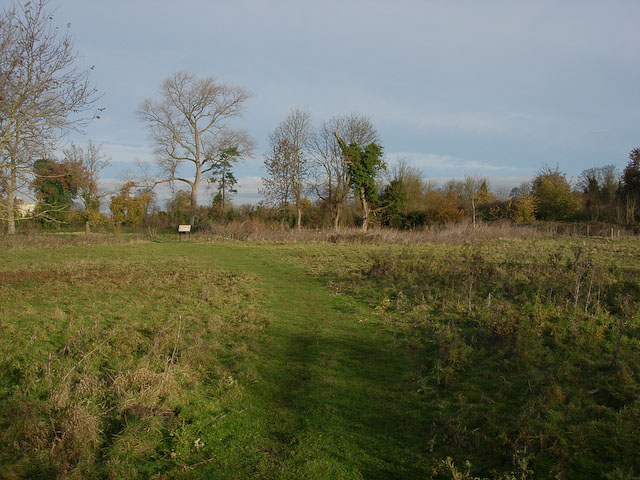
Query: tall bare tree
(188,126)
(44,95)
(332,182)
(289,165)
(472,189)
(276,185)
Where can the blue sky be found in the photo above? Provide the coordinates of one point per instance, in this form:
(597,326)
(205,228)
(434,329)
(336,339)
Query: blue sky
(489,88)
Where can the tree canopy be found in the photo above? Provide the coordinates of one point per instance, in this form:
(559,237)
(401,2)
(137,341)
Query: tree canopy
(56,185)
(188,124)
(553,195)
(45,94)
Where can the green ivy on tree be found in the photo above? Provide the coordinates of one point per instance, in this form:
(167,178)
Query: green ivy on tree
(56,187)
(393,200)
(364,165)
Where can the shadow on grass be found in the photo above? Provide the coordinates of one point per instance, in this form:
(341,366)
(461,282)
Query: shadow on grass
(335,398)
(344,400)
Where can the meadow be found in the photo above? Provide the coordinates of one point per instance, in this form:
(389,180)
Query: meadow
(490,357)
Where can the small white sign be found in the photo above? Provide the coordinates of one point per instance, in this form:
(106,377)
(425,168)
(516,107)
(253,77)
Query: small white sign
(184,228)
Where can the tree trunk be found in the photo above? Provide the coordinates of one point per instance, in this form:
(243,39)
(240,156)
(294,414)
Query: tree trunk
(11,221)
(473,208)
(336,218)
(194,205)
(11,196)
(298,194)
(223,218)
(87,230)
(194,197)
(365,210)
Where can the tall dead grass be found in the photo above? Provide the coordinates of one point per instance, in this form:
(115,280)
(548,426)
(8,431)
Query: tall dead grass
(256,230)
(55,240)
(457,233)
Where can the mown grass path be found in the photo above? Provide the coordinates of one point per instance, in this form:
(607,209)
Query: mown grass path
(237,360)
(323,391)
(334,397)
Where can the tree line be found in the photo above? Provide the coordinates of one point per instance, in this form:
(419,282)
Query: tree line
(401,198)
(325,176)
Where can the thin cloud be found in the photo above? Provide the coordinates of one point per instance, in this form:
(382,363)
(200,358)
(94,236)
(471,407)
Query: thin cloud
(433,161)
(122,153)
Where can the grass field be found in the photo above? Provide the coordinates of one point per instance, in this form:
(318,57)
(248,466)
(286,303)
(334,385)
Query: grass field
(494,359)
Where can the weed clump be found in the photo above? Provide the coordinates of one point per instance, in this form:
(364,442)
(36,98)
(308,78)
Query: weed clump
(520,347)
(103,380)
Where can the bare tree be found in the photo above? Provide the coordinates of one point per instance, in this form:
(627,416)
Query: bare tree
(289,162)
(332,179)
(412,181)
(276,185)
(471,188)
(44,95)
(188,128)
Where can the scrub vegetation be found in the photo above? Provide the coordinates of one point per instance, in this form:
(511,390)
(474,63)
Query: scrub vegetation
(494,358)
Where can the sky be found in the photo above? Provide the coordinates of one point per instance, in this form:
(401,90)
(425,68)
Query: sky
(497,89)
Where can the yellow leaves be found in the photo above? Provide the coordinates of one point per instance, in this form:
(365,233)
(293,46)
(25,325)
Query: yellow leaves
(127,208)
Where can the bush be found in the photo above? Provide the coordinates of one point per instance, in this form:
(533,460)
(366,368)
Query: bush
(553,196)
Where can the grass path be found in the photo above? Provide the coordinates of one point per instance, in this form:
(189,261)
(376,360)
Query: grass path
(240,361)
(323,391)
(334,397)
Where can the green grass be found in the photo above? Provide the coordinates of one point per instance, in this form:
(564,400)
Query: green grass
(237,360)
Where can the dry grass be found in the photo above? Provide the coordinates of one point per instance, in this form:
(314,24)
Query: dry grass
(55,240)
(258,231)
(458,233)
